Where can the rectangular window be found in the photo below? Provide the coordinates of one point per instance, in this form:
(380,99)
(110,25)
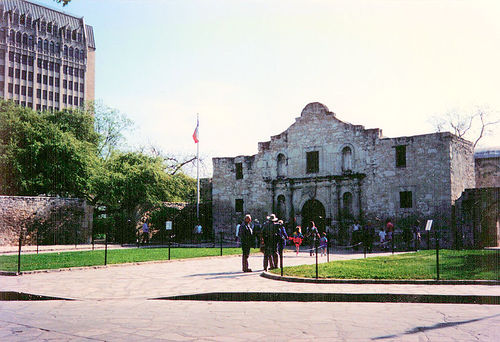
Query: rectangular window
(30,76)
(76,86)
(64,98)
(82,73)
(11,87)
(18,73)
(45,94)
(81,101)
(39,78)
(45,64)
(23,90)
(312,162)
(81,87)
(70,100)
(405,199)
(38,107)
(65,84)
(11,72)
(23,74)
(16,88)
(56,97)
(401,156)
(76,72)
(75,101)
(44,79)
(51,66)
(70,87)
(51,80)
(70,71)
(51,95)
(239,170)
(39,93)
(30,92)
(65,69)
(57,82)
(238,205)
(24,59)
(11,56)
(39,63)
(30,104)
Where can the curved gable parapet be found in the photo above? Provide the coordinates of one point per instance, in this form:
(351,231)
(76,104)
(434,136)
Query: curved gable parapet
(315,108)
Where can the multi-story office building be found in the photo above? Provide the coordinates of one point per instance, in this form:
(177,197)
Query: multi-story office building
(47,57)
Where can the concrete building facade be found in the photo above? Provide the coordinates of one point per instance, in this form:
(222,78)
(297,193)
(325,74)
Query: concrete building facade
(47,57)
(333,172)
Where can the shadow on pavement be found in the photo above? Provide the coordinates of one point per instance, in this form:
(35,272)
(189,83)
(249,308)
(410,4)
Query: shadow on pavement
(435,326)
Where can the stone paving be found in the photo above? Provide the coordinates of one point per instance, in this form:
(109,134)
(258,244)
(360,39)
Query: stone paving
(117,304)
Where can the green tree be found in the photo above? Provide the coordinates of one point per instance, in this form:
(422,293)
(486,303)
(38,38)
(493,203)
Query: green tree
(46,153)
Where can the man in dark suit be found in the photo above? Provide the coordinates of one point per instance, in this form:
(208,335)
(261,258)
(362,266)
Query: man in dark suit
(247,240)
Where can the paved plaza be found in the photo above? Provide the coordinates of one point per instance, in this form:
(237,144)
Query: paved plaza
(118,303)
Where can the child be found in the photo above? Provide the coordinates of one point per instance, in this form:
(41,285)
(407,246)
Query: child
(322,244)
(297,239)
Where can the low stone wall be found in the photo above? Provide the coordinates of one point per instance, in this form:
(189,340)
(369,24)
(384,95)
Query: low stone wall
(53,220)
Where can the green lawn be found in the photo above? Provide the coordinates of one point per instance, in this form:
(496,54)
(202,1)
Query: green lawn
(453,265)
(44,261)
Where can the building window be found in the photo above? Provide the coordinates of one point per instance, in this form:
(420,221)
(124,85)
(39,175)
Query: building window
(11,87)
(81,87)
(51,80)
(38,107)
(401,156)
(23,74)
(11,72)
(45,94)
(16,88)
(239,171)
(405,199)
(65,84)
(51,95)
(64,98)
(23,90)
(18,73)
(76,72)
(75,101)
(39,78)
(70,85)
(76,86)
(238,205)
(30,76)
(312,162)
(44,79)
(39,93)
(81,101)
(70,100)
(30,92)
(57,82)
(57,97)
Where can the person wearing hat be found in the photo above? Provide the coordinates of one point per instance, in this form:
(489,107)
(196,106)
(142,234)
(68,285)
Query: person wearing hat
(269,233)
(247,240)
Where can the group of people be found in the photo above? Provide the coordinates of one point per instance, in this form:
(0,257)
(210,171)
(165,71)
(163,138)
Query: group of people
(272,237)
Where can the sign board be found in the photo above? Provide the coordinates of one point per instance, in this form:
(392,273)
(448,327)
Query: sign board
(428,225)
(168,225)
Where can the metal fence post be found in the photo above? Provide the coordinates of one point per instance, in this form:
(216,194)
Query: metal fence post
(106,249)
(437,254)
(316,248)
(221,237)
(281,261)
(19,253)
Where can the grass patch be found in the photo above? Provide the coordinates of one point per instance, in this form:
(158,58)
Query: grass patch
(46,261)
(453,265)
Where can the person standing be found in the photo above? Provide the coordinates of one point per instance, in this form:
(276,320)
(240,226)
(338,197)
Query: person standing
(314,236)
(246,240)
(145,233)
(269,238)
(282,237)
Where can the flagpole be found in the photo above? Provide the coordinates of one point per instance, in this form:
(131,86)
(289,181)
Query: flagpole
(197,174)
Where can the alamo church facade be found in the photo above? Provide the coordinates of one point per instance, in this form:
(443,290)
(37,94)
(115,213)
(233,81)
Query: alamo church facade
(333,172)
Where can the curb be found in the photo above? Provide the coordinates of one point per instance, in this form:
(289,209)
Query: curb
(378,281)
(336,297)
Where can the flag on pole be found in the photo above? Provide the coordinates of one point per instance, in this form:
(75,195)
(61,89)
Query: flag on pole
(196,137)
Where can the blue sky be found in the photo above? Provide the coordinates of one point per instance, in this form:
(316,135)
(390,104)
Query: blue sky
(249,67)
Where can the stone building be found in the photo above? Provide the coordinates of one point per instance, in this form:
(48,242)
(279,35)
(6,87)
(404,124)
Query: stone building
(333,172)
(487,165)
(47,57)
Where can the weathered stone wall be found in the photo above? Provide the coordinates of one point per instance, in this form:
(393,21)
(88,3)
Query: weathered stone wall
(56,220)
(357,176)
(487,172)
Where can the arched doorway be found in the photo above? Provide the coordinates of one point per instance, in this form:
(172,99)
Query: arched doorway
(313,210)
